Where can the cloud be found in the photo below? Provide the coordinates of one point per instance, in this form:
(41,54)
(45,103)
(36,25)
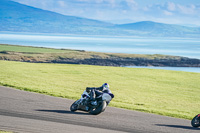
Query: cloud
(61,3)
(112,3)
(191,9)
(83,0)
(135,10)
(167,13)
(171,6)
(132,4)
(97,1)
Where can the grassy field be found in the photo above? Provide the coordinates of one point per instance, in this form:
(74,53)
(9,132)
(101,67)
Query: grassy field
(28,49)
(13,51)
(4,131)
(163,92)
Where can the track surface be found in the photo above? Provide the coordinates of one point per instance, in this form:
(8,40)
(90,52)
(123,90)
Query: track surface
(27,112)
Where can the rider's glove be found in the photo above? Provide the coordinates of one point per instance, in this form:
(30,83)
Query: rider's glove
(88,89)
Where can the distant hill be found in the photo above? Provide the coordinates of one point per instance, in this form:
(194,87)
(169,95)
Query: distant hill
(16,17)
(157,29)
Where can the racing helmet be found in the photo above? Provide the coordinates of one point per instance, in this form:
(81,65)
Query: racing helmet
(105,86)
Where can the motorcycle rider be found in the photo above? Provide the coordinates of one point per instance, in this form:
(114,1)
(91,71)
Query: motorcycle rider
(97,91)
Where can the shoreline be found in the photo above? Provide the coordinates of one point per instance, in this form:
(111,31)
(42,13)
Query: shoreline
(68,56)
(183,62)
(117,62)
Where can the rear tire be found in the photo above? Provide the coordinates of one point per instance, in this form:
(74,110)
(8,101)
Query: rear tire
(99,109)
(195,121)
(74,106)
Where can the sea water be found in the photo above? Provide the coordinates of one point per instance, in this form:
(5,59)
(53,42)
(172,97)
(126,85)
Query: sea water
(186,47)
(186,69)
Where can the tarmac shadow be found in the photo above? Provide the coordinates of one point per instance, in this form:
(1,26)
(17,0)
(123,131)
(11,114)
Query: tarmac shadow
(179,126)
(64,112)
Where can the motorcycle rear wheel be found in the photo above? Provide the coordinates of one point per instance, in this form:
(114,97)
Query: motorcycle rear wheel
(195,121)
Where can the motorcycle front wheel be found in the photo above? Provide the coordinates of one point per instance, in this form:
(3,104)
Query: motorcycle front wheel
(74,106)
(195,121)
(99,109)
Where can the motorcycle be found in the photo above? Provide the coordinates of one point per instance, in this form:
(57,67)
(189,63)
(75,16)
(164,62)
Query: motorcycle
(196,121)
(93,107)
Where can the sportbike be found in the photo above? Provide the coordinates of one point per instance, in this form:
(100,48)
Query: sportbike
(93,107)
(196,121)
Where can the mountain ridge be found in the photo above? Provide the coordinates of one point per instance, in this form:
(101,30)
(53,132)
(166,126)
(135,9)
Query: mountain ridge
(16,17)
(156,27)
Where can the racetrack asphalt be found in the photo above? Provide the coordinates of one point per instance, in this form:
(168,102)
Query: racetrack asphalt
(28,112)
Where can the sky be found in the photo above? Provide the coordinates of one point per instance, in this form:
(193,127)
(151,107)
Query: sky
(184,12)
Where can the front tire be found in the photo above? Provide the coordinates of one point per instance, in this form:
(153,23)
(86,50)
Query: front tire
(195,121)
(99,109)
(74,106)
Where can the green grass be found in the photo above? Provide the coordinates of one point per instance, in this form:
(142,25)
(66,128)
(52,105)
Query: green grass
(1,131)
(163,92)
(13,51)
(29,49)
